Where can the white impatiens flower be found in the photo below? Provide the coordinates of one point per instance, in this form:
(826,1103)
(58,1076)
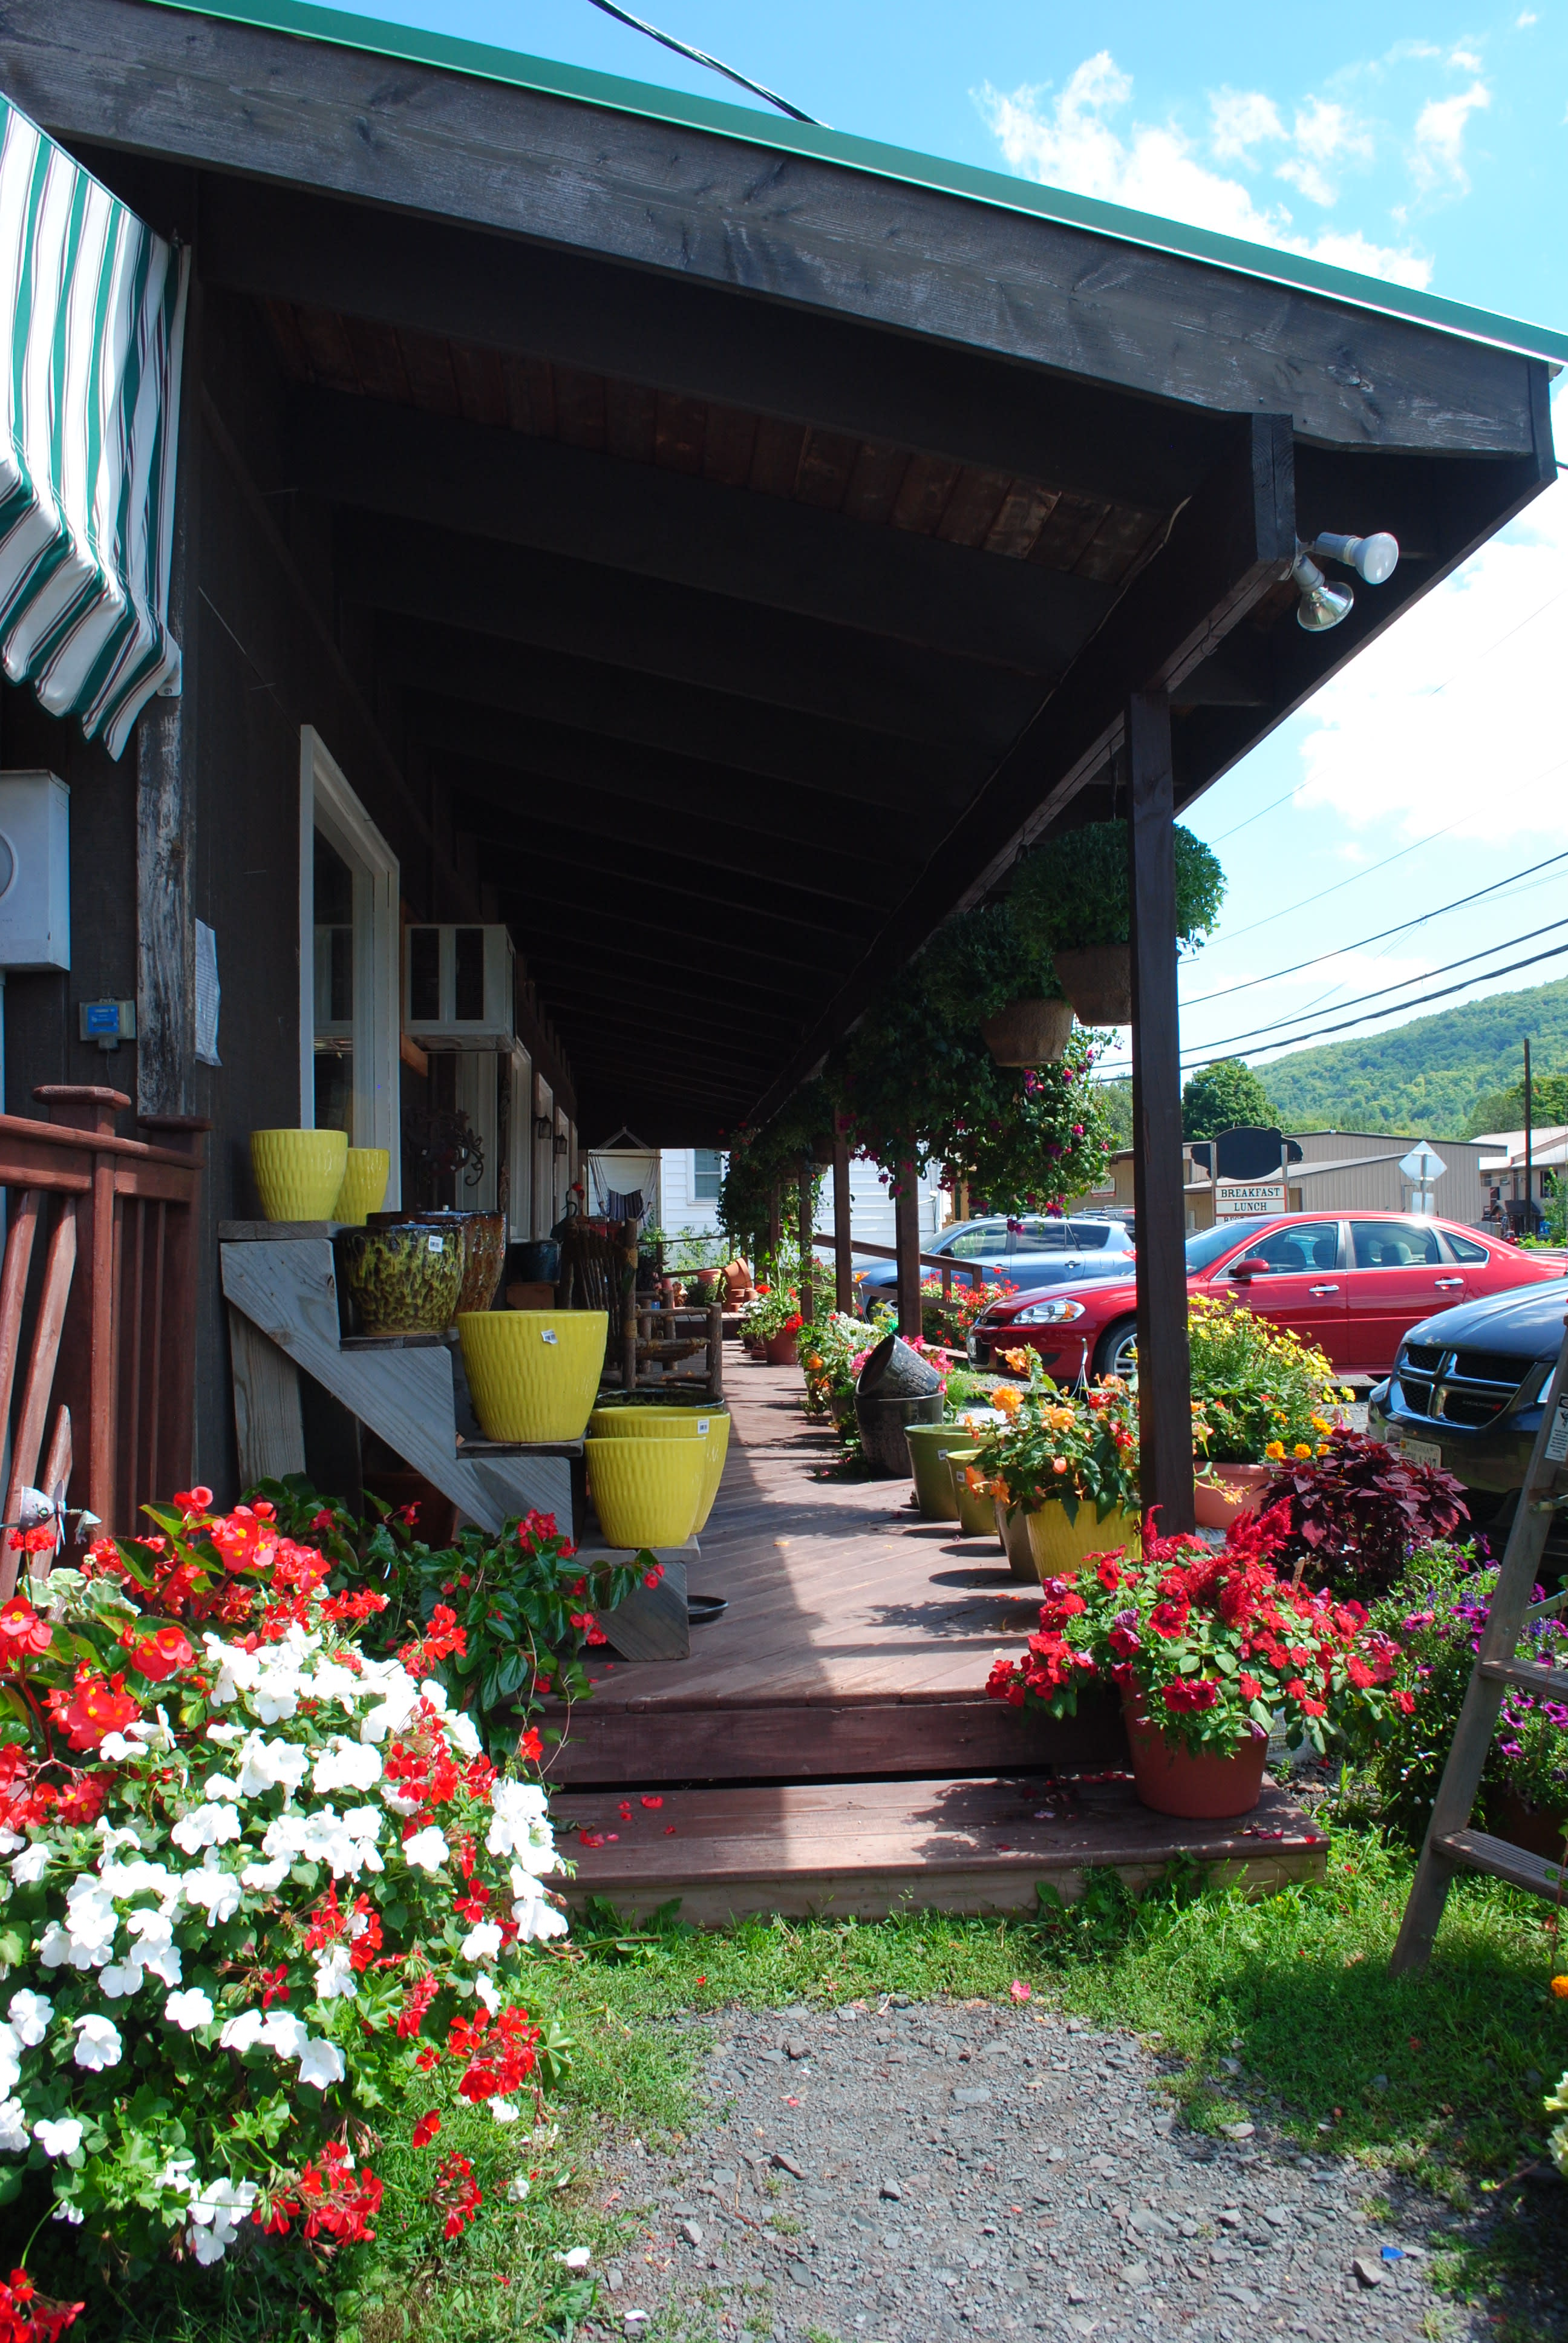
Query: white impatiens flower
(91,1921)
(485,1988)
(482,1943)
(30,1867)
(334,1977)
(12,2129)
(10,1841)
(271,1765)
(218,2208)
(97,2043)
(121,1979)
(224,1733)
(265,1877)
(399,1697)
(576,2258)
(321,2064)
(189,2010)
(427,1849)
(206,1825)
(536,1916)
(62,2138)
(347,1765)
(10,2058)
(504,2111)
(212,1890)
(345,1842)
(519,1826)
(276,2031)
(30,2014)
(219,1785)
(124,1879)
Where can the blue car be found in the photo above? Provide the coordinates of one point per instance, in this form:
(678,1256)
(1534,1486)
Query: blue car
(1034,1250)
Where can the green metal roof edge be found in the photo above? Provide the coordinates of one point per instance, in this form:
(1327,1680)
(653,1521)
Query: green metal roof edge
(413,46)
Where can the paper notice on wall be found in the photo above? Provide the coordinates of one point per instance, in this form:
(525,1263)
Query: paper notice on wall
(208,994)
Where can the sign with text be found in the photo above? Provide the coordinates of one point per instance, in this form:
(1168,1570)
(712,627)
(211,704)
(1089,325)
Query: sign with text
(1245,1200)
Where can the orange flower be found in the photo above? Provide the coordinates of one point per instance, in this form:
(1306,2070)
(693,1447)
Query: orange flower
(1560,1988)
(1008,1400)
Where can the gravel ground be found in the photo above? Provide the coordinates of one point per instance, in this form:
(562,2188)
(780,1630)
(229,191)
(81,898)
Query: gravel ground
(943,2169)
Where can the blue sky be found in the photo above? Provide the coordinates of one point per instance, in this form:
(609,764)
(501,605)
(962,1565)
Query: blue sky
(1425,144)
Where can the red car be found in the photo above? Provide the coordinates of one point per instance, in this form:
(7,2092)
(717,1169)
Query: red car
(1352,1284)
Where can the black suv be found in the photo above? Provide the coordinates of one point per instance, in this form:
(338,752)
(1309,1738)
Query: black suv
(1466,1393)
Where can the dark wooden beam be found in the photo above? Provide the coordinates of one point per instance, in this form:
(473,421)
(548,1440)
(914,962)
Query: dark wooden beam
(1226,548)
(843,1248)
(906,1251)
(664,1007)
(755,550)
(775,656)
(840,761)
(585,780)
(826,372)
(635,1040)
(1164,1374)
(552,927)
(670,883)
(556,949)
(736,935)
(756,213)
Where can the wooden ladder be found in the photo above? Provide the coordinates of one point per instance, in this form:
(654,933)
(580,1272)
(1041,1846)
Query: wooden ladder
(1451,1844)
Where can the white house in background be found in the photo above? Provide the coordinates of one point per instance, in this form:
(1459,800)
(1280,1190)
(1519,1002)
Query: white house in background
(680,1191)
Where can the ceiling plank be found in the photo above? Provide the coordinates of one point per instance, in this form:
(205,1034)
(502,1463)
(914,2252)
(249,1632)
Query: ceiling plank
(774,656)
(759,551)
(622,870)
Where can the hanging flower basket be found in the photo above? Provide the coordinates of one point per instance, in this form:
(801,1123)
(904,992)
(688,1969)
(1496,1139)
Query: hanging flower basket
(1098,980)
(1029,1032)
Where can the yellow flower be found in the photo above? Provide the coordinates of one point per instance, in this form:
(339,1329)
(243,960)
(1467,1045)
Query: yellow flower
(1300,1449)
(1276,1448)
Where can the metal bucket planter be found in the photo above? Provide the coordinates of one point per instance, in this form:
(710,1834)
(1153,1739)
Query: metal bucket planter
(1098,980)
(881,1423)
(895,1370)
(1029,1032)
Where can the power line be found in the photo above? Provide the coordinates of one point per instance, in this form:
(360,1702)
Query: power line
(1204,1057)
(1340,884)
(1381,936)
(701,57)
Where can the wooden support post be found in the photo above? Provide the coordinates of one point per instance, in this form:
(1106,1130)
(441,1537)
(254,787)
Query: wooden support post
(907,1246)
(1164,1372)
(716,1353)
(806,1192)
(843,1250)
(774,1229)
(628,1231)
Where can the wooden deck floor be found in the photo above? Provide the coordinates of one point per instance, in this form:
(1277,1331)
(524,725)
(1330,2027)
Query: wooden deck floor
(827,1747)
(858,1638)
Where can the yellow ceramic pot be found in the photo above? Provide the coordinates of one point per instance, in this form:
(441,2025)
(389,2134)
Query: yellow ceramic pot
(533,1373)
(710,1424)
(364,1185)
(298,1173)
(647,1492)
(1058,1546)
(977,1507)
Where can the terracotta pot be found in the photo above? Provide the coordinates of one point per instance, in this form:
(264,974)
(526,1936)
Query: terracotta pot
(1202,1789)
(783,1350)
(1221,1492)
(1098,980)
(1058,1545)
(1029,1032)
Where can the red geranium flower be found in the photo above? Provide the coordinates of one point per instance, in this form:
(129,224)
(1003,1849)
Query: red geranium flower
(427,2128)
(22,1631)
(159,1655)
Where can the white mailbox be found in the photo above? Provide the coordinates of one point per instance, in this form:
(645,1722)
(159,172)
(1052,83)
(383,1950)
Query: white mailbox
(34,871)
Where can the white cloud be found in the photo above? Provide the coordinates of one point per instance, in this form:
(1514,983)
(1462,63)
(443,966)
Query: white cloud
(1439,127)
(1525,16)
(1451,721)
(1464,61)
(1238,120)
(1068,141)
(1322,133)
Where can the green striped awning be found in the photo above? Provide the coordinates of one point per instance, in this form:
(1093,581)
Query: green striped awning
(94,304)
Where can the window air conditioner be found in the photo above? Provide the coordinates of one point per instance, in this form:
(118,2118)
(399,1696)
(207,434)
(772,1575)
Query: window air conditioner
(459,986)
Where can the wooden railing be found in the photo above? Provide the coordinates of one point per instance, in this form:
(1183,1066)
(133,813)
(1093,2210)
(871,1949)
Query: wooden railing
(98,1316)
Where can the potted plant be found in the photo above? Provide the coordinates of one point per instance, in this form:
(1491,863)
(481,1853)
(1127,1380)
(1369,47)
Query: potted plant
(1355,1510)
(1067,1460)
(1072,898)
(1206,1648)
(773,1322)
(1258,1391)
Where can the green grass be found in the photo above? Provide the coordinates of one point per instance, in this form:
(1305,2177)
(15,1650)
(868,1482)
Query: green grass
(1294,1986)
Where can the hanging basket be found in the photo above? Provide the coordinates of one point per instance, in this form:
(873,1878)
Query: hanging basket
(1098,980)
(1029,1032)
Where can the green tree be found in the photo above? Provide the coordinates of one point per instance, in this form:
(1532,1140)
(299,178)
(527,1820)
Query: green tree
(1219,1097)
(1505,1110)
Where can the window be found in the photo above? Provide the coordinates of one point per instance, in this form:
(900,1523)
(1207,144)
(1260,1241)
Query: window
(1041,1236)
(348,1031)
(707,1171)
(1393,1244)
(1089,1236)
(1293,1249)
(1464,1248)
(987,1237)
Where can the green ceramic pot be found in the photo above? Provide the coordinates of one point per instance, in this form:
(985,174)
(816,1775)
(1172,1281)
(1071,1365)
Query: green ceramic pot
(401,1281)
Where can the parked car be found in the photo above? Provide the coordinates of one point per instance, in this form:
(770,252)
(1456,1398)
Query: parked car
(1466,1393)
(1036,1251)
(1352,1284)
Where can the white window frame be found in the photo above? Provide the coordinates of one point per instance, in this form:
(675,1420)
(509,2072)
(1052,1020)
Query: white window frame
(328,804)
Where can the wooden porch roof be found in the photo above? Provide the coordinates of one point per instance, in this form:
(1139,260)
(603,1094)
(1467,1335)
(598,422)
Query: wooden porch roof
(751,541)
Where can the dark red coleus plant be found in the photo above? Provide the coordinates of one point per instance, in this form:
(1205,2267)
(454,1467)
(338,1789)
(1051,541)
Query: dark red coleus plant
(1358,1509)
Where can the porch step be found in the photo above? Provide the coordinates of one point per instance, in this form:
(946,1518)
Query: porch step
(1527,1675)
(867,1849)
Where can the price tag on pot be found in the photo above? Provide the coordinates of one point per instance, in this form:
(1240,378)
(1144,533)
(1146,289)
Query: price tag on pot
(702,1427)
(435,1244)
(548,1334)
(1557,1438)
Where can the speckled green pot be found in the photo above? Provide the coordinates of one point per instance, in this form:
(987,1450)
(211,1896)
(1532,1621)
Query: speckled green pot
(401,1281)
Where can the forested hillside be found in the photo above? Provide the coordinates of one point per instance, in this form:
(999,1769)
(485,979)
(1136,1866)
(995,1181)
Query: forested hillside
(1425,1077)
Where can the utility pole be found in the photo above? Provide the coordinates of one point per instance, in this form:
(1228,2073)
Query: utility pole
(1529,1146)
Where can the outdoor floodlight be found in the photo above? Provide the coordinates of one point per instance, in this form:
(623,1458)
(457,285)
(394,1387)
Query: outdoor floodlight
(1374,559)
(1321,605)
